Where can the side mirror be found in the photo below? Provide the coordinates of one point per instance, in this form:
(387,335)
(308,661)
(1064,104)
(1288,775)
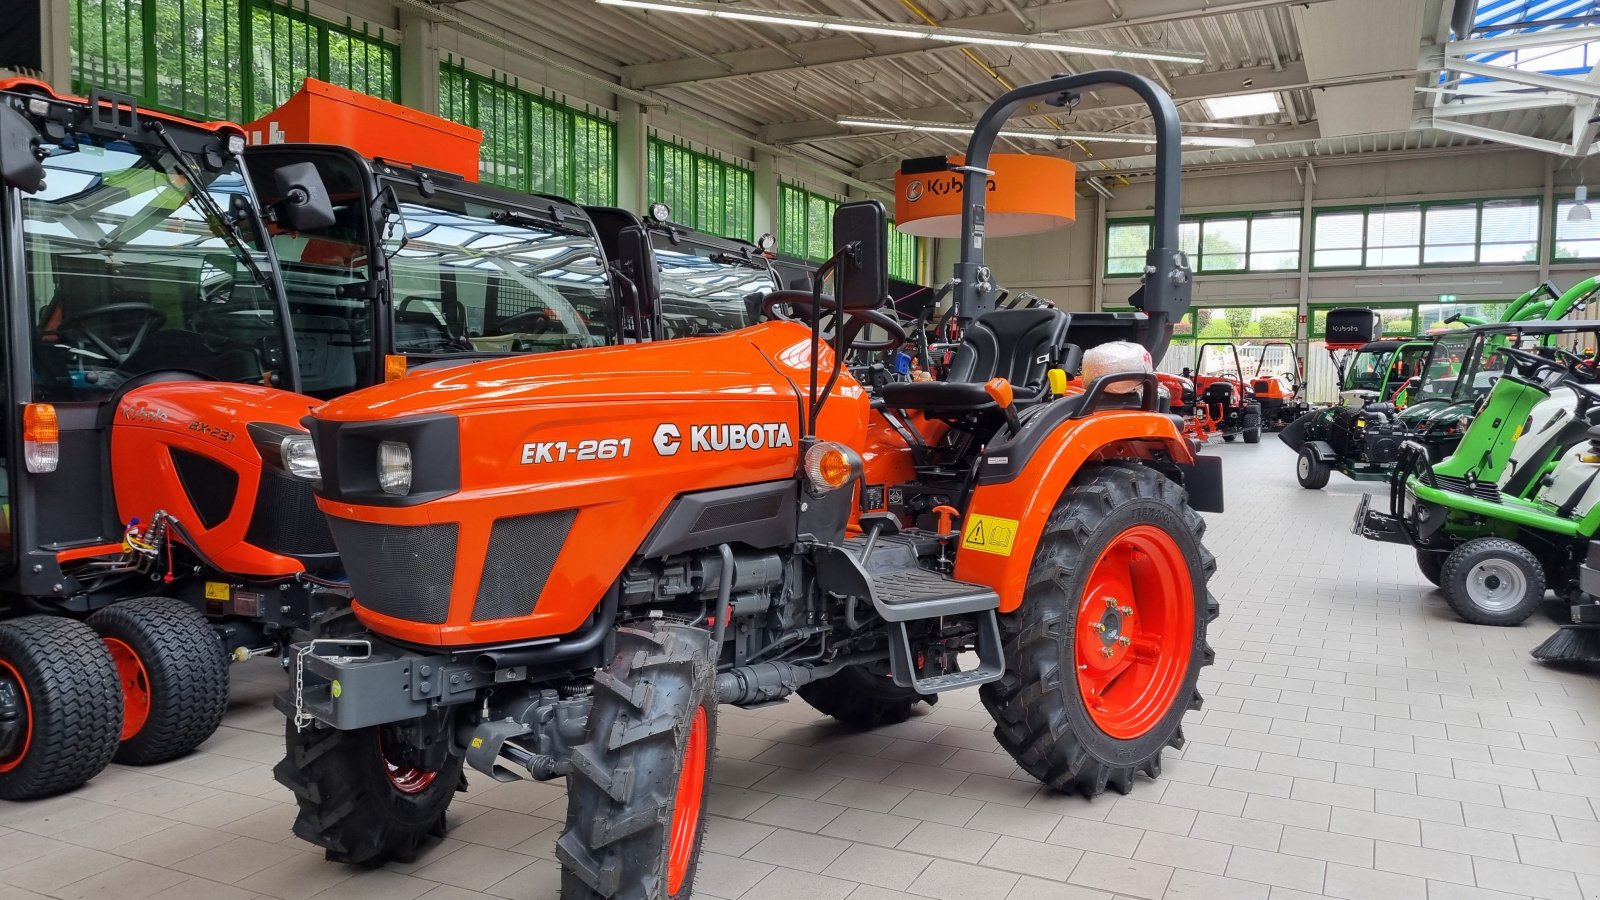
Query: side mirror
(638,261)
(305,204)
(862,279)
(20,166)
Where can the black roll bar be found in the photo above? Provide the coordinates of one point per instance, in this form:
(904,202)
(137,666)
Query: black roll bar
(1165,294)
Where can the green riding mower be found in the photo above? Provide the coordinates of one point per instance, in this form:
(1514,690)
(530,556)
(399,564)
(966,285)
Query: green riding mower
(1515,510)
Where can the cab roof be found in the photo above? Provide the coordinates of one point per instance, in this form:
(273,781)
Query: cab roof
(35,86)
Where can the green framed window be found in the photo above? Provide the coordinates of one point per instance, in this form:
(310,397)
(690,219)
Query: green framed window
(1217,244)
(805,222)
(1437,233)
(905,255)
(533,143)
(223,59)
(706,193)
(1574,240)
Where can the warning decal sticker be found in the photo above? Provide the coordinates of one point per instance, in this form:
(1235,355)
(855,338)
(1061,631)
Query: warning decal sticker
(989,534)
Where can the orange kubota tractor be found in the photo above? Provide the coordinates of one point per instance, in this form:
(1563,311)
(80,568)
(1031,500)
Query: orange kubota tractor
(564,564)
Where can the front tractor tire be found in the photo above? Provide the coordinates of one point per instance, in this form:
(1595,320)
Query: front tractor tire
(1311,470)
(1252,425)
(60,707)
(861,698)
(174,676)
(361,798)
(636,793)
(1104,652)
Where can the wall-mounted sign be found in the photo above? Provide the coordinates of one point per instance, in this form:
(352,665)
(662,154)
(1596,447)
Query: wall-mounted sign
(1025,195)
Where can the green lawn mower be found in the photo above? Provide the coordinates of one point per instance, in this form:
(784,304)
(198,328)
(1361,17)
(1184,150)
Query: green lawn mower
(1515,510)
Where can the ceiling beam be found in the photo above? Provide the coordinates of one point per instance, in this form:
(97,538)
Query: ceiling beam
(1505,103)
(1185,88)
(1505,137)
(1567,84)
(1551,38)
(1070,16)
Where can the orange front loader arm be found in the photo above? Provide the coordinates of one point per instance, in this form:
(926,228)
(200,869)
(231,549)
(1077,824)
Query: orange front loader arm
(996,549)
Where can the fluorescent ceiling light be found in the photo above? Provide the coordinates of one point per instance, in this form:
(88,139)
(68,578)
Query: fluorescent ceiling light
(1192,140)
(1043,42)
(1241,105)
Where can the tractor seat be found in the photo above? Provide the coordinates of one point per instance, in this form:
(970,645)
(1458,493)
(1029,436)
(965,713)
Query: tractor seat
(1019,345)
(1218,392)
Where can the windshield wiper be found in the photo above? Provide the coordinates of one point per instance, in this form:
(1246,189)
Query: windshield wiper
(552,222)
(204,198)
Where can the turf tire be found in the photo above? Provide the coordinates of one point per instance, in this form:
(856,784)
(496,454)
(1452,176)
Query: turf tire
(622,792)
(861,699)
(184,671)
(348,805)
(1458,569)
(74,702)
(1040,715)
(1310,471)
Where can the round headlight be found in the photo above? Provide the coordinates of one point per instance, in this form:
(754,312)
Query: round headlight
(394,467)
(661,212)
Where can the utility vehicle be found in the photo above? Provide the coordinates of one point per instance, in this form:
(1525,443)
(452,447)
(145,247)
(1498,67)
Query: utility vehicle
(1355,435)
(564,563)
(1224,401)
(1515,510)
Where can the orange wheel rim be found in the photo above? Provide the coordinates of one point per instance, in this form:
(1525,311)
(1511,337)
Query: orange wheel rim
(686,810)
(135,686)
(11,762)
(407,779)
(1135,632)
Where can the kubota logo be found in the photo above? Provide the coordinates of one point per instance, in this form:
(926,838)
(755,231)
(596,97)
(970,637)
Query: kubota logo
(668,439)
(914,191)
(717,438)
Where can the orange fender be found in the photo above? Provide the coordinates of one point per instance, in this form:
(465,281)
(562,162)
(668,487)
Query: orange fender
(1004,520)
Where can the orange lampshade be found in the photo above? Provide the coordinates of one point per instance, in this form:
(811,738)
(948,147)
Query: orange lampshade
(1027,195)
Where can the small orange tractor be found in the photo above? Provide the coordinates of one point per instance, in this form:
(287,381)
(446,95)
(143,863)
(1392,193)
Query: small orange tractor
(1279,385)
(562,564)
(1214,398)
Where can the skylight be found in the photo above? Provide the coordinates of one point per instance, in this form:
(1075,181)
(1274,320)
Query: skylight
(1241,105)
(1495,18)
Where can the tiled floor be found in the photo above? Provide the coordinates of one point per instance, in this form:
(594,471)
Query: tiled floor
(1357,742)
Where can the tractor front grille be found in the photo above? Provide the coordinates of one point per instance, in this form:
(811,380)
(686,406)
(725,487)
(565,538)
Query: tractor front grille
(404,571)
(522,551)
(286,519)
(1483,490)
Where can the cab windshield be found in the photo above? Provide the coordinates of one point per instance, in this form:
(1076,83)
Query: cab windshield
(129,270)
(1449,361)
(708,291)
(1367,369)
(477,278)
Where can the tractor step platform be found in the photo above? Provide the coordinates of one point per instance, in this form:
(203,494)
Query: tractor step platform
(914,595)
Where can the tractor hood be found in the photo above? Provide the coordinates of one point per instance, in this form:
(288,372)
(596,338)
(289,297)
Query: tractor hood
(767,360)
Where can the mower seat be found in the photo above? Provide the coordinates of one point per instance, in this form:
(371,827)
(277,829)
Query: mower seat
(1018,345)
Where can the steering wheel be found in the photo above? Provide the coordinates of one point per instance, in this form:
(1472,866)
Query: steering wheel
(1529,364)
(532,321)
(146,316)
(802,301)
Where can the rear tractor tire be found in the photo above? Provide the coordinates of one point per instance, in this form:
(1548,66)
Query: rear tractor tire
(174,676)
(60,707)
(636,793)
(860,698)
(1103,655)
(1311,470)
(360,799)
(1493,581)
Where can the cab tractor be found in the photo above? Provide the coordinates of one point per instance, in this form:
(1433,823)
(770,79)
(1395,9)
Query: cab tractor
(153,435)
(564,563)
(1224,402)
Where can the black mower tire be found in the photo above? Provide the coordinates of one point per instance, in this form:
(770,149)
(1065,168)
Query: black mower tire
(859,698)
(59,676)
(1041,716)
(654,704)
(1474,573)
(1228,436)
(349,804)
(1311,471)
(1431,564)
(1252,427)
(181,670)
